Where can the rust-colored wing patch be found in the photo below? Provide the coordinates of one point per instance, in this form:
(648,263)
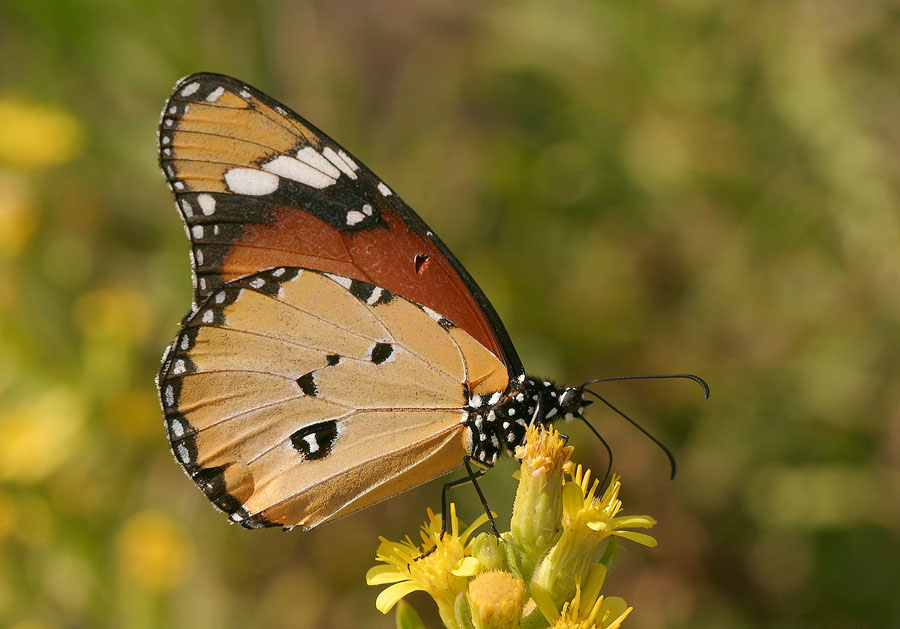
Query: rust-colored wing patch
(258,187)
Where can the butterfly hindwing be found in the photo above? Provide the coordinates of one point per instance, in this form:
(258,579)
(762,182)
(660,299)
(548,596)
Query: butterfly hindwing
(258,187)
(294,396)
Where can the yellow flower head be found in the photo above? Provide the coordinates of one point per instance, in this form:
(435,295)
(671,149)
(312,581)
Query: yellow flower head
(591,610)
(496,599)
(586,522)
(443,572)
(544,450)
(581,508)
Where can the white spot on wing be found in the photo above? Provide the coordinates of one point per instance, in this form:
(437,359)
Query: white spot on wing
(340,279)
(197,231)
(177,428)
(257,282)
(335,159)
(313,444)
(170,395)
(310,156)
(184,455)
(294,169)
(216,94)
(354,217)
(207,203)
(190,89)
(178,367)
(431,313)
(384,190)
(375,296)
(251,182)
(367,209)
(188,210)
(349,161)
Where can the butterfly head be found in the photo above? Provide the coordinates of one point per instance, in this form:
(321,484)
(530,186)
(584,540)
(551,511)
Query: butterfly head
(571,402)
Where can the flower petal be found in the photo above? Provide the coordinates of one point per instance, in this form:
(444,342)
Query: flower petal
(640,538)
(544,602)
(390,596)
(633,521)
(468,567)
(573,499)
(613,611)
(379,575)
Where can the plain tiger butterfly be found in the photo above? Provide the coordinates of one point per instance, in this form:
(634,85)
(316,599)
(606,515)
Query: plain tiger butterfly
(336,353)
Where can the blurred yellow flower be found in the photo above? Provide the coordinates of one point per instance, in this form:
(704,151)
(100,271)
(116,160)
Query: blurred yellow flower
(115,312)
(38,434)
(442,572)
(35,136)
(18,217)
(154,552)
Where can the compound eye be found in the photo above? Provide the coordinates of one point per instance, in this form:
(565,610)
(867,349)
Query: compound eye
(570,400)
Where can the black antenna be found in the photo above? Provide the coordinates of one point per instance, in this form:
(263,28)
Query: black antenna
(688,376)
(635,424)
(605,445)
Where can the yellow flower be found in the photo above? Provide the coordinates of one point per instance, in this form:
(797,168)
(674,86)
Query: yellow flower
(580,508)
(586,522)
(443,572)
(35,136)
(154,552)
(37,435)
(589,609)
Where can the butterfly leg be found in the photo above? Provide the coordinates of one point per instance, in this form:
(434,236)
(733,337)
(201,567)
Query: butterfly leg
(473,476)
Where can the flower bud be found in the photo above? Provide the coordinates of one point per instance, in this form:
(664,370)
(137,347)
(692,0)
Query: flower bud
(496,599)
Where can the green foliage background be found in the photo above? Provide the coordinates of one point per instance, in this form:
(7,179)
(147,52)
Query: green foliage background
(640,187)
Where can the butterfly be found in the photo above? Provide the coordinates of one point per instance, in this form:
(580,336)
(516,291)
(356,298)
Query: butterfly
(336,352)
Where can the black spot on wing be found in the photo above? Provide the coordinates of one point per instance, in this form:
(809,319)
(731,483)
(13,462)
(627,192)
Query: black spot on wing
(381,352)
(333,359)
(369,293)
(315,441)
(307,383)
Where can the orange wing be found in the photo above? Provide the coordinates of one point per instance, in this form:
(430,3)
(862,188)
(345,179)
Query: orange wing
(293,397)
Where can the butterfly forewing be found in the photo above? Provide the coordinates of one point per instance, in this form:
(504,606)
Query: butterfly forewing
(294,396)
(259,187)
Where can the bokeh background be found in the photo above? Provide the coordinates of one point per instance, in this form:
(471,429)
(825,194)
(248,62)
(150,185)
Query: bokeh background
(640,187)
